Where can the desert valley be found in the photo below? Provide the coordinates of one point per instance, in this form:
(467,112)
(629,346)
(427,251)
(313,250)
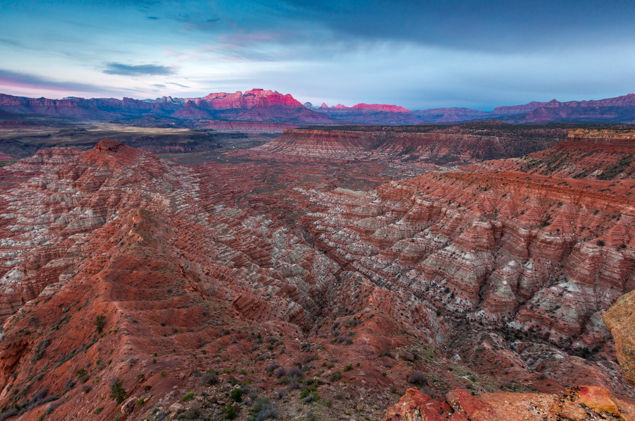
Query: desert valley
(284,264)
(333,210)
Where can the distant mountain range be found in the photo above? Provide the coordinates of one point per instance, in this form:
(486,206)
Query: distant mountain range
(271,106)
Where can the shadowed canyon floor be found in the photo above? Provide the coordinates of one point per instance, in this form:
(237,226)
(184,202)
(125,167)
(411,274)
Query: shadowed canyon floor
(321,275)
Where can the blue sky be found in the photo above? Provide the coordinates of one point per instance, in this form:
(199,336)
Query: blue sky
(419,54)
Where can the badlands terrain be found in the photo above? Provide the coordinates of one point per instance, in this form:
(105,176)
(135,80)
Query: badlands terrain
(481,271)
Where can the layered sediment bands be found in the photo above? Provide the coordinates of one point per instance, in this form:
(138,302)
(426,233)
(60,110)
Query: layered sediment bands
(536,254)
(597,154)
(54,199)
(451,280)
(576,404)
(175,270)
(439,145)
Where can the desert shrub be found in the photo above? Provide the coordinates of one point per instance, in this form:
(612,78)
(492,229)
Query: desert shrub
(100,323)
(272,367)
(117,392)
(230,411)
(348,367)
(39,352)
(236,395)
(209,379)
(193,412)
(98,410)
(188,396)
(262,410)
(417,378)
(600,243)
(281,372)
(336,376)
(308,396)
(294,372)
(82,375)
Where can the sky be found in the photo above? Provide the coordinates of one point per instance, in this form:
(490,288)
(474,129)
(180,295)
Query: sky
(418,54)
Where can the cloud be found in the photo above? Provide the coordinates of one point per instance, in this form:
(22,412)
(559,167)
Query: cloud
(470,24)
(137,70)
(11,79)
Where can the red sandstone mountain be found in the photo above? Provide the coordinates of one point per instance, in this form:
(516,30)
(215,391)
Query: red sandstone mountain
(619,109)
(370,114)
(266,105)
(450,115)
(254,105)
(517,109)
(125,276)
(256,98)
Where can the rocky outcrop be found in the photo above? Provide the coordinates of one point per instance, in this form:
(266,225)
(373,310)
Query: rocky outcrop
(439,145)
(576,404)
(585,153)
(620,319)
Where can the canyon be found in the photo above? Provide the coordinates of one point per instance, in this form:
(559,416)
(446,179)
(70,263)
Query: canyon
(479,270)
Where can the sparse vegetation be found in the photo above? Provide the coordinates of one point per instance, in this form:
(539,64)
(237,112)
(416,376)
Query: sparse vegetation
(100,323)
(117,392)
(417,378)
(236,395)
(230,411)
(188,397)
(262,410)
(39,352)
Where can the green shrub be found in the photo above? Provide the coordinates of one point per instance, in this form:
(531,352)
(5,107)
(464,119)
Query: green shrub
(82,375)
(100,323)
(117,392)
(348,368)
(188,396)
(236,395)
(230,411)
(336,376)
(98,410)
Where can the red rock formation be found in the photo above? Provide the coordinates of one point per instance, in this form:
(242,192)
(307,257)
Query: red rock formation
(457,144)
(576,404)
(599,154)
(381,107)
(475,279)
(619,109)
(620,319)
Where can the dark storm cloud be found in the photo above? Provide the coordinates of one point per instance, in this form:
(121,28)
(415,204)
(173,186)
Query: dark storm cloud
(137,70)
(474,24)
